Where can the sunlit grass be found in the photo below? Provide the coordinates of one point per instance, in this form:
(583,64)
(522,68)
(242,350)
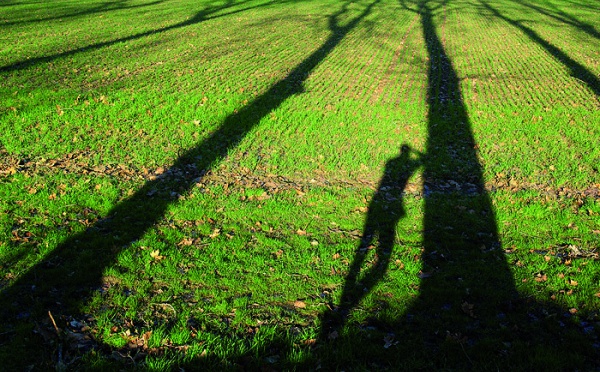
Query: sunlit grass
(98,99)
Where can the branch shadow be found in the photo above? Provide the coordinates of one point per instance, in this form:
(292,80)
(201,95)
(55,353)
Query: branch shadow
(199,17)
(468,313)
(583,5)
(66,278)
(564,18)
(102,8)
(576,69)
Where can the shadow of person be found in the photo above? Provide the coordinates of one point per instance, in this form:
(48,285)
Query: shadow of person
(468,313)
(385,210)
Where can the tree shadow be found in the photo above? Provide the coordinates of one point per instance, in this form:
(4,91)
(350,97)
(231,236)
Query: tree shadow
(66,278)
(102,8)
(204,15)
(564,18)
(576,69)
(468,313)
(583,5)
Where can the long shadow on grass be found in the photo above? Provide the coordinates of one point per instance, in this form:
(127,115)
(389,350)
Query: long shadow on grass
(227,8)
(71,272)
(583,5)
(564,18)
(468,313)
(384,212)
(102,8)
(577,69)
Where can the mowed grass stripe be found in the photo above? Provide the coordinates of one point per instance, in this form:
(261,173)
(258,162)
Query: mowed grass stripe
(382,34)
(508,64)
(580,37)
(237,270)
(390,81)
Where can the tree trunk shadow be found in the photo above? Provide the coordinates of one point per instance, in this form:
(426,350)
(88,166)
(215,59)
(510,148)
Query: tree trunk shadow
(468,313)
(229,8)
(66,278)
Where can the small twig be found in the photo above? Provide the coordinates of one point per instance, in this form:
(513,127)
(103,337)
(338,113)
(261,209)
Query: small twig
(54,323)
(164,304)
(309,223)
(467,355)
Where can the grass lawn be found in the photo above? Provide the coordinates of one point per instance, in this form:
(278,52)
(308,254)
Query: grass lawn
(300,184)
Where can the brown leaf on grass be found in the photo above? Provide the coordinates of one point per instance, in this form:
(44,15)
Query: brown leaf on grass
(300,232)
(215,233)
(573,310)
(597,295)
(155,255)
(573,282)
(185,242)
(389,340)
(299,304)
(468,308)
(336,256)
(541,278)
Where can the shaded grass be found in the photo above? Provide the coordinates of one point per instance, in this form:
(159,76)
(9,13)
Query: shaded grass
(233,272)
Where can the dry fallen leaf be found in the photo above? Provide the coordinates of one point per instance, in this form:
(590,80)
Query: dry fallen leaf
(215,233)
(155,255)
(389,341)
(299,304)
(185,242)
(467,308)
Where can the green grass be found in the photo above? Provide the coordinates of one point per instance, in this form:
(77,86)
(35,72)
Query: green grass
(193,184)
